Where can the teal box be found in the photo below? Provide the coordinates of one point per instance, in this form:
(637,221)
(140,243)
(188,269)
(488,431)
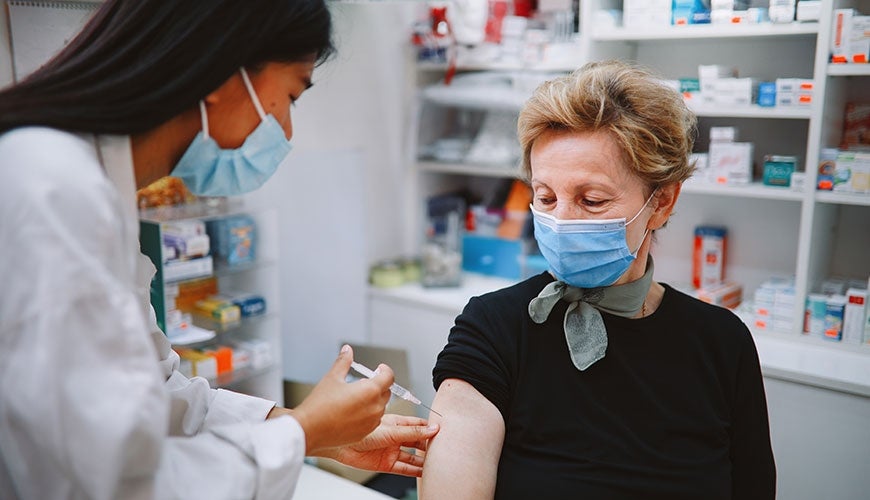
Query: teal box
(778,170)
(492,256)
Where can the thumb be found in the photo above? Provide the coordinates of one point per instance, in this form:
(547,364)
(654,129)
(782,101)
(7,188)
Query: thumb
(342,364)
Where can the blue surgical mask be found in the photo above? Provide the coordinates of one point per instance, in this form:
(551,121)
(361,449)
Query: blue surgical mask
(209,170)
(585,253)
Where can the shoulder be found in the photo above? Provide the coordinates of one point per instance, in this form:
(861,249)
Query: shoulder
(48,156)
(718,323)
(52,173)
(511,301)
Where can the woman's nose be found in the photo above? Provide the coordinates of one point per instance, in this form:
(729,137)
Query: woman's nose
(567,211)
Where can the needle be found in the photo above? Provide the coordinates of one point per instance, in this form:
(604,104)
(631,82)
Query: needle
(396,389)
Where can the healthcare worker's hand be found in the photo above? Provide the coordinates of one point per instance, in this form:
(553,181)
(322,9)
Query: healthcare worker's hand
(337,413)
(381,451)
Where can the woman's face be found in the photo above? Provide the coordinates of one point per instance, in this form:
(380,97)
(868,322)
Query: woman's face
(583,176)
(231,113)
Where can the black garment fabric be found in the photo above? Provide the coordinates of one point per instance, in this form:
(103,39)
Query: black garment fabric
(675,410)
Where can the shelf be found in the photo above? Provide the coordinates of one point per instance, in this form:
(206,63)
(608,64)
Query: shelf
(849,69)
(754,190)
(222,329)
(707,31)
(446,299)
(814,361)
(754,111)
(843,198)
(223,269)
(501,66)
(240,375)
(476,97)
(468,169)
(205,209)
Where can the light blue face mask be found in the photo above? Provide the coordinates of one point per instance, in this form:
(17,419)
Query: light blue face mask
(209,170)
(585,253)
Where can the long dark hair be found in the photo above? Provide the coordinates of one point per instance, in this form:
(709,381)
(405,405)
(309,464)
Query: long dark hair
(138,63)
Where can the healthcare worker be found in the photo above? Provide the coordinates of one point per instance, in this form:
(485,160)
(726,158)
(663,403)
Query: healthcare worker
(91,402)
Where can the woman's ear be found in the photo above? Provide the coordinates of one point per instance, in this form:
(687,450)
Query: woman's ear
(665,200)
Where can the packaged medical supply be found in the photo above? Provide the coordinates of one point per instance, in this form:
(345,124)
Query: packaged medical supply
(856,125)
(187,293)
(259,350)
(834,286)
(223,357)
(186,238)
(731,162)
(234,239)
(708,74)
(757,15)
(841,34)
(781,11)
(827,167)
(249,304)
(708,257)
(646,13)
(814,314)
(218,309)
(766,94)
(727,294)
(843,171)
(794,91)
(689,12)
(723,134)
(854,316)
(201,365)
(778,170)
(774,304)
(861,173)
(834,309)
(859,40)
(797,181)
(809,10)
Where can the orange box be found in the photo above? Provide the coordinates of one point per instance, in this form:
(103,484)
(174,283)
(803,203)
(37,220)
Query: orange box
(223,355)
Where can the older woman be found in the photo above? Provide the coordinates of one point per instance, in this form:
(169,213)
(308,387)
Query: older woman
(592,380)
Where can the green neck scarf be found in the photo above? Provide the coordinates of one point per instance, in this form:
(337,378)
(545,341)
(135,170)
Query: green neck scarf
(584,326)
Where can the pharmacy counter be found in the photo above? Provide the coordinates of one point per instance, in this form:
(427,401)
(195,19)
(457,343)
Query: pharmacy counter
(317,484)
(794,358)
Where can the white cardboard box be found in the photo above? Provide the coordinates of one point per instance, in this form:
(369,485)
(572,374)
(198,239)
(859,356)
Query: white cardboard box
(731,162)
(854,316)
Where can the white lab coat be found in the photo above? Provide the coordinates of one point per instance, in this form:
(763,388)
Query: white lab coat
(91,404)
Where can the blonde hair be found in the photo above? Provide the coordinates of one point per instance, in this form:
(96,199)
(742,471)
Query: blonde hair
(650,123)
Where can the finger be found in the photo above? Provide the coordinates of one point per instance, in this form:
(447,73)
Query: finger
(414,434)
(384,376)
(393,419)
(404,469)
(342,365)
(411,459)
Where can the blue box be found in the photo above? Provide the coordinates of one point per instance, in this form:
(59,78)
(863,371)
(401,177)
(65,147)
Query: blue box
(767,94)
(492,256)
(689,12)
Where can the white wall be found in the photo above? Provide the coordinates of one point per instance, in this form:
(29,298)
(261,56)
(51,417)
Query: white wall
(338,192)
(5,49)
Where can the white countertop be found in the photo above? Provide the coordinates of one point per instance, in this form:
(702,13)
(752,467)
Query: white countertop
(318,484)
(789,357)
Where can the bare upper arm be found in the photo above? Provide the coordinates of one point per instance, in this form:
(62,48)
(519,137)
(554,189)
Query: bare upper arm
(462,459)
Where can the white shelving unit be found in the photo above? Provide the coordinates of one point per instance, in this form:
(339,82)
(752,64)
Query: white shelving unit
(808,234)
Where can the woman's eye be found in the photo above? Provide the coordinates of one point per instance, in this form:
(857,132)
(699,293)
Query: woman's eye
(591,203)
(545,201)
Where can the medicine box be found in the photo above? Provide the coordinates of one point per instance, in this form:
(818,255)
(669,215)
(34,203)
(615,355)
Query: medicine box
(859,40)
(492,256)
(841,34)
(809,10)
(794,91)
(727,294)
(854,316)
(646,13)
(767,94)
(689,12)
(731,162)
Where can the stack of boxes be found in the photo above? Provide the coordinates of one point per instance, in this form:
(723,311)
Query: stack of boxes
(850,37)
(729,162)
(774,305)
(840,313)
(646,13)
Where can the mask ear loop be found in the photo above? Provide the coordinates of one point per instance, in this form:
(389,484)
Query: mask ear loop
(252,93)
(203,116)
(645,233)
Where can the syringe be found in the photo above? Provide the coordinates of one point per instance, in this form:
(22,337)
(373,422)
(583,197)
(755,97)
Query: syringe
(396,389)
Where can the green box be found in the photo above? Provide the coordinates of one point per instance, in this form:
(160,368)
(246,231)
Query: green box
(778,170)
